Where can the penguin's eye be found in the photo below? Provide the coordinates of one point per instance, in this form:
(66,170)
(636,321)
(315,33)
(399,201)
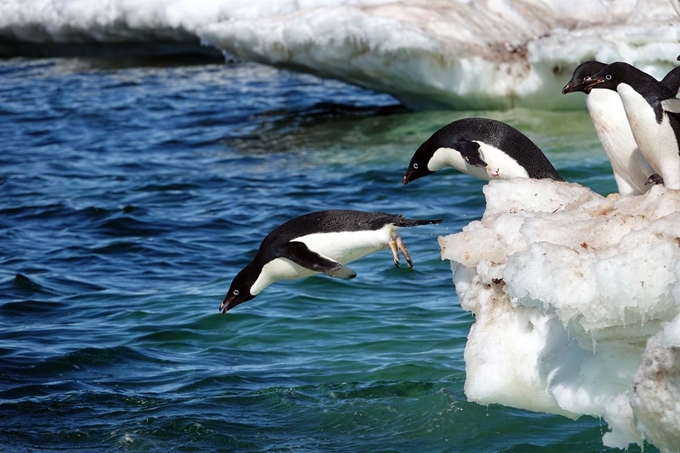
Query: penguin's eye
(415,166)
(235,293)
(608,77)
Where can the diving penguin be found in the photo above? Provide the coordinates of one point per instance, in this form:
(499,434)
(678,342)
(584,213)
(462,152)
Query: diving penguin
(481,147)
(319,242)
(651,109)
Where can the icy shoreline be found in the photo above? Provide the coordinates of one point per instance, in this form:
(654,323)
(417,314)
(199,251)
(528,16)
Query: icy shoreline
(428,54)
(576,303)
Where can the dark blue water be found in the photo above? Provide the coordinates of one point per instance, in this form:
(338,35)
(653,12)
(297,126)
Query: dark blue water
(134,190)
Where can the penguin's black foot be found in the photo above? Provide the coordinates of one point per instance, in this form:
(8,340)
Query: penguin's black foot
(654,179)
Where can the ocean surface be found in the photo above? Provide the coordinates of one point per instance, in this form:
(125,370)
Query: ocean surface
(133,191)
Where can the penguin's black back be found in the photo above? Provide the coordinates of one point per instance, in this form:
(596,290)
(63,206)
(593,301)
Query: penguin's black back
(501,136)
(333,221)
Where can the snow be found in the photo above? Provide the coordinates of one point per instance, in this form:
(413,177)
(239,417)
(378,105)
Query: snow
(440,54)
(577,305)
(465,54)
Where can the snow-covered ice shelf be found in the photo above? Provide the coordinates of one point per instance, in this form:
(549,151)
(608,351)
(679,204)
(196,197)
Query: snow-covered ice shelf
(465,54)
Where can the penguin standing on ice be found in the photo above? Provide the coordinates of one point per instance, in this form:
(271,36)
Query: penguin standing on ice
(481,147)
(319,242)
(631,169)
(651,109)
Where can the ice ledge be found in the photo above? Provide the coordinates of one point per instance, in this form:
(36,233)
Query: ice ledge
(576,302)
(480,54)
(464,55)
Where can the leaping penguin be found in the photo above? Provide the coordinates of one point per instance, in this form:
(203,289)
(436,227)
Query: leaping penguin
(319,242)
(651,109)
(481,147)
(631,169)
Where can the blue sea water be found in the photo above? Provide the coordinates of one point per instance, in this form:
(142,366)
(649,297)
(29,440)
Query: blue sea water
(132,193)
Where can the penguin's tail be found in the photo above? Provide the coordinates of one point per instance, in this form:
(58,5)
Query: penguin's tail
(404,222)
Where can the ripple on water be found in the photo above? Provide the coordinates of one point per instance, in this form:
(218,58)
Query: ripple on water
(134,194)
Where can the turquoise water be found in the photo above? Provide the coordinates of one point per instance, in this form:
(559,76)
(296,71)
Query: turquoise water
(133,192)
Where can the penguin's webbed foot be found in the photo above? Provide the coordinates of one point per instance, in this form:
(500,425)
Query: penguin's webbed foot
(397,245)
(404,251)
(654,179)
(395,253)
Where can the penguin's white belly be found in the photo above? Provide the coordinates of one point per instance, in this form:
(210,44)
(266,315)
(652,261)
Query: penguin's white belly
(657,142)
(631,170)
(499,164)
(347,246)
(343,247)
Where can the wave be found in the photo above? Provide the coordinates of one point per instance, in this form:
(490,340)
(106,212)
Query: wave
(460,55)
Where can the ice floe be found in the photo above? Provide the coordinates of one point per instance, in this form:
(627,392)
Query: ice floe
(577,305)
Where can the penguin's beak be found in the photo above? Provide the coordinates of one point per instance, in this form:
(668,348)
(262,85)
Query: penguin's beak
(227,303)
(590,82)
(575,85)
(407,176)
(568,88)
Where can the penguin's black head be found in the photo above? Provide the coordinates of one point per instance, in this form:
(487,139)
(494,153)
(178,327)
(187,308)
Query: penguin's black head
(417,168)
(610,76)
(239,291)
(578,78)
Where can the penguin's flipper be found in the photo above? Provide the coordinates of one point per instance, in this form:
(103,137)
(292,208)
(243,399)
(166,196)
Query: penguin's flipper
(671,105)
(672,80)
(470,152)
(301,255)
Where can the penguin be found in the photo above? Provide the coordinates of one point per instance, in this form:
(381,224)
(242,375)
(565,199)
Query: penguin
(631,169)
(319,242)
(651,109)
(481,147)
